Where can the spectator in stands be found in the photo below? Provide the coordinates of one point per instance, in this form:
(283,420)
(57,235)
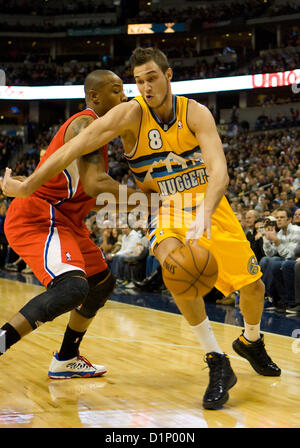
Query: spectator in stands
(279,247)
(296,182)
(241,216)
(117,235)
(286,188)
(111,241)
(290,204)
(153,280)
(254,202)
(297,198)
(276,204)
(95,231)
(135,265)
(106,241)
(293,270)
(132,248)
(296,217)
(251,216)
(234,114)
(256,238)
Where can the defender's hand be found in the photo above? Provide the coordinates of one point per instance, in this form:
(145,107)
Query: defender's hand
(12,187)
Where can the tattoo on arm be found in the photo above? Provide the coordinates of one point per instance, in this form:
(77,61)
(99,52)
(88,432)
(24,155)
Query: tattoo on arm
(74,129)
(78,125)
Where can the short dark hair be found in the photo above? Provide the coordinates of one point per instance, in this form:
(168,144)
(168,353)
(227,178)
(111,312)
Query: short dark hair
(259,220)
(286,210)
(96,79)
(142,55)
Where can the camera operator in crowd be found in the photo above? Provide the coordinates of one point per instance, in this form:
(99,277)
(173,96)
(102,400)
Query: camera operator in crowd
(254,233)
(295,267)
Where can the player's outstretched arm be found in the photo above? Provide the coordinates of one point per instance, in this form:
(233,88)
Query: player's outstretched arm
(97,134)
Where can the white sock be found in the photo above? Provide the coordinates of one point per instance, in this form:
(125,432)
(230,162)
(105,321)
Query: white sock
(206,337)
(252,332)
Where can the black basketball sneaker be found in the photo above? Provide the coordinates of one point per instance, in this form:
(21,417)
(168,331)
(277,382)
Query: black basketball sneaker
(221,379)
(256,354)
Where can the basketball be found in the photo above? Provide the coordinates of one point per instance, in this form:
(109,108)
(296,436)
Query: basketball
(190,271)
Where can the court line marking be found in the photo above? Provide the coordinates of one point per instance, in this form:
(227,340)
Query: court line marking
(167,344)
(181,316)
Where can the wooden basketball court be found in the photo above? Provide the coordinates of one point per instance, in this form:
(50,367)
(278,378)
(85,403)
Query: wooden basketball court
(156,374)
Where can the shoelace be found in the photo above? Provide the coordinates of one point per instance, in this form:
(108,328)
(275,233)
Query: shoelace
(215,370)
(86,361)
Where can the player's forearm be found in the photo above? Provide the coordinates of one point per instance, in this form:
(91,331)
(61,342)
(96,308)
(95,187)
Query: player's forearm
(105,184)
(84,143)
(106,189)
(56,163)
(216,188)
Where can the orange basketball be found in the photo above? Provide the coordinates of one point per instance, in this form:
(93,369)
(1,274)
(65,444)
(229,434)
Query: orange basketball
(190,271)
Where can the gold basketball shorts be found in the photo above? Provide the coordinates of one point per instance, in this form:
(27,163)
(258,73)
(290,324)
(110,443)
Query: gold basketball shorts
(237,264)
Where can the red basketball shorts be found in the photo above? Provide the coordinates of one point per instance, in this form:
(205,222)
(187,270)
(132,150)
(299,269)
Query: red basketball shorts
(49,242)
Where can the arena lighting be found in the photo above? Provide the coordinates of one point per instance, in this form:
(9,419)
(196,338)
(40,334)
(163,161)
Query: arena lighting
(212,85)
(151,28)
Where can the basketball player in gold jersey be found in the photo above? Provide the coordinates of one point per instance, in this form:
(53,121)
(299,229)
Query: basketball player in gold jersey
(173,148)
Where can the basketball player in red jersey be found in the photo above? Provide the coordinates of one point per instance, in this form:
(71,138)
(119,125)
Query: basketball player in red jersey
(47,230)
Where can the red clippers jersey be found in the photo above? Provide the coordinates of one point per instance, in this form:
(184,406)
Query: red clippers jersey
(65,191)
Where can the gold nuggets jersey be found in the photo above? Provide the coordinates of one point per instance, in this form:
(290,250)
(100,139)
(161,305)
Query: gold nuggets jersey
(167,160)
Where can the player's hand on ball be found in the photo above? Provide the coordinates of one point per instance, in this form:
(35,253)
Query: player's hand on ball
(200,225)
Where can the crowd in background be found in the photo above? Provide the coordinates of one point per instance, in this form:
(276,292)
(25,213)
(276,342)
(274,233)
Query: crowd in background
(216,12)
(42,70)
(267,122)
(194,16)
(9,144)
(233,10)
(48,26)
(209,13)
(39,71)
(278,60)
(54,8)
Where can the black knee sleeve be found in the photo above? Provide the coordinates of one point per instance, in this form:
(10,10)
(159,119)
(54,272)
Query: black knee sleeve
(101,287)
(64,294)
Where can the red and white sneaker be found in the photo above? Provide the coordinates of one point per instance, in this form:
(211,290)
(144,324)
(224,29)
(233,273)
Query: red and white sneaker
(78,367)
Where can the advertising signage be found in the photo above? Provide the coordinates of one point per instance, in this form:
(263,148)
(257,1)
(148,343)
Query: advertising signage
(196,86)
